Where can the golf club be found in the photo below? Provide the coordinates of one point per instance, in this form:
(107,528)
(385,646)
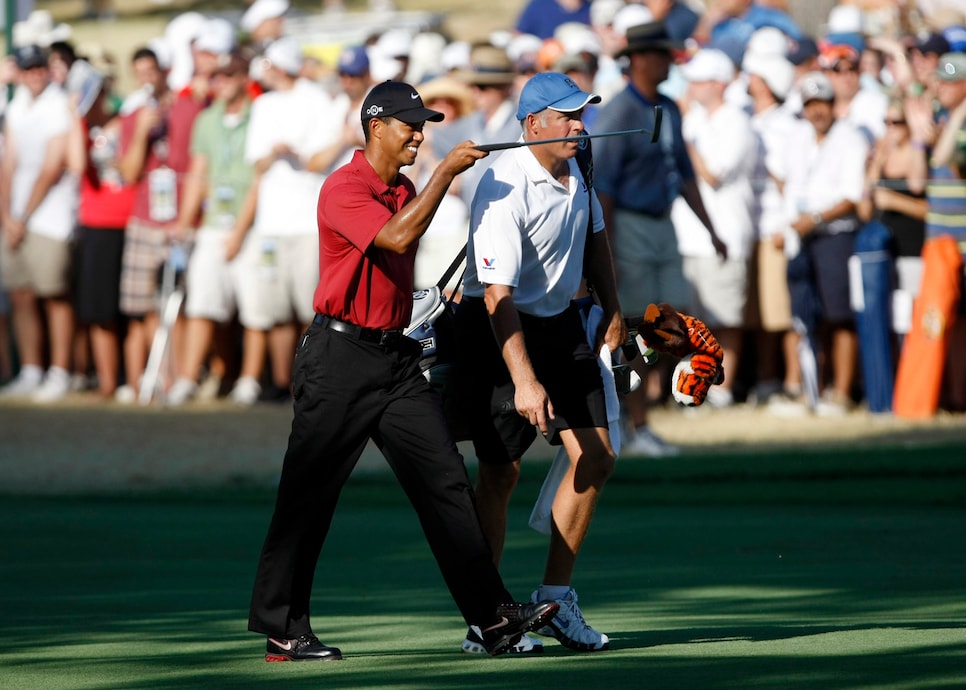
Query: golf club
(655,133)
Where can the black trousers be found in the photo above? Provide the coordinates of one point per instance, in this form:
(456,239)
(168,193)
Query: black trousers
(346,392)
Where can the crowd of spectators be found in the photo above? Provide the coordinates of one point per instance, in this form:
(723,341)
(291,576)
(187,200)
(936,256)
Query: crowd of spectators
(795,140)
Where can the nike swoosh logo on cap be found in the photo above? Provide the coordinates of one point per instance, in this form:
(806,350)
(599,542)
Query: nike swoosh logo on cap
(414,96)
(287,646)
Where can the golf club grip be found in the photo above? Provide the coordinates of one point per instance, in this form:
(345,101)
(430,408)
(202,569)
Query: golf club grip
(498,147)
(658,118)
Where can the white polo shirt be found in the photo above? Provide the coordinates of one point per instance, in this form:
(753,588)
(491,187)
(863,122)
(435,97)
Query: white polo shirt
(820,175)
(32,123)
(304,119)
(725,141)
(528,231)
(774,127)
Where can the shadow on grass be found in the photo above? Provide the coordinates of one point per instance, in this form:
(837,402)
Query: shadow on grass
(152,592)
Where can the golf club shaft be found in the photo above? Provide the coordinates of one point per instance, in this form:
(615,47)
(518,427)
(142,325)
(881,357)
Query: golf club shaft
(655,133)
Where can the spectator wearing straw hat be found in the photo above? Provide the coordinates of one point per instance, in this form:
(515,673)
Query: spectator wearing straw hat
(637,183)
(490,76)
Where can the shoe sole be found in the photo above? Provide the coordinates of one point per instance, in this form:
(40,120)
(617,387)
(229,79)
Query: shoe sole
(471,647)
(550,630)
(506,643)
(272,658)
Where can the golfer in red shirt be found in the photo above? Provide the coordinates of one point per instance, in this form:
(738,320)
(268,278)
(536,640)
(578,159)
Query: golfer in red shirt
(357,377)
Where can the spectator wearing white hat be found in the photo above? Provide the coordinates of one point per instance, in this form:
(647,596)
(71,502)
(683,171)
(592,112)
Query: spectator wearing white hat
(39,202)
(289,125)
(825,179)
(770,81)
(490,77)
(264,22)
(722,150)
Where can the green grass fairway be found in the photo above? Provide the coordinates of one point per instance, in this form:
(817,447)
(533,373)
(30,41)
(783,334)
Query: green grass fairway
(795,570)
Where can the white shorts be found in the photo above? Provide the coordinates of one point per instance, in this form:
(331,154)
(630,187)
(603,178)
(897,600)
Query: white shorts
(285,278)
(719,289)
(216,288)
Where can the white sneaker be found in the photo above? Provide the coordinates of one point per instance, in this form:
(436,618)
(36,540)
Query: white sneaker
(246,391)
(55,386)
(569,627)
(787,405)
(644,442)
(832,404)
(473,644)
(181,391)
(26,382)
(719,397)
(126,395)
(208,389)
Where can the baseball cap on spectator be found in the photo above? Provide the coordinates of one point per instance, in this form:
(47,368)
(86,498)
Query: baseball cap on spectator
(577,38)
(956,35)
(934,43)
(353,61)
(285,54)
(217,37)
(767,41)
(30,56)
(846,26)
(262,10)
(952,67)
(834,55)
(631,15)
(709,64)
(522,51)
(395,43)
(815,86)
(399,100)
(456,56)
(554,91)
(570,62)
(603,12)
(802,50)
(777,73)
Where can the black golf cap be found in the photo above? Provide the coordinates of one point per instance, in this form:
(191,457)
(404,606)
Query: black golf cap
(399,100)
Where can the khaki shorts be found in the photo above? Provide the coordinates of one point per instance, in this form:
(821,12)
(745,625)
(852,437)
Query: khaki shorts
(215,288)
(772,296)
(719,289)
(40,264)
(285,279)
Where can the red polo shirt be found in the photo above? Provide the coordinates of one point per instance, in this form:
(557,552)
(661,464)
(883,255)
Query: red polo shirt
(359,283)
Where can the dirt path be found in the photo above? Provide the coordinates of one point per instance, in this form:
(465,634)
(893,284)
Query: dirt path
(83,446)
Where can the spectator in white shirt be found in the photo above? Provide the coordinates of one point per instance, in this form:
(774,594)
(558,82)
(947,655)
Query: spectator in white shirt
(770,81)
(825,163)
(38,202)
(722,149)
(289,125)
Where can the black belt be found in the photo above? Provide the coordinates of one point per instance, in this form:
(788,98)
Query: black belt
(369,335)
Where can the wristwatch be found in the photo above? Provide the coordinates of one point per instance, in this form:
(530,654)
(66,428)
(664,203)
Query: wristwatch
(817,218)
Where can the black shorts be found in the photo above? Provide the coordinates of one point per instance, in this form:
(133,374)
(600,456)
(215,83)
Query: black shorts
(829,255)
(563,362)
(97,278)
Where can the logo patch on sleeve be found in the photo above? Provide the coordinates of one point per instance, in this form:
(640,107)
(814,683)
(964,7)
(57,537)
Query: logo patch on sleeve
(489,264)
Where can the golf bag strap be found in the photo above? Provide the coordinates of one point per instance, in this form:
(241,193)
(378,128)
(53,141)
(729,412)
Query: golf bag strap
(451,270)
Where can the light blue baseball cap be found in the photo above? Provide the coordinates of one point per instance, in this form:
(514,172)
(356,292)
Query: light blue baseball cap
(555,91)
